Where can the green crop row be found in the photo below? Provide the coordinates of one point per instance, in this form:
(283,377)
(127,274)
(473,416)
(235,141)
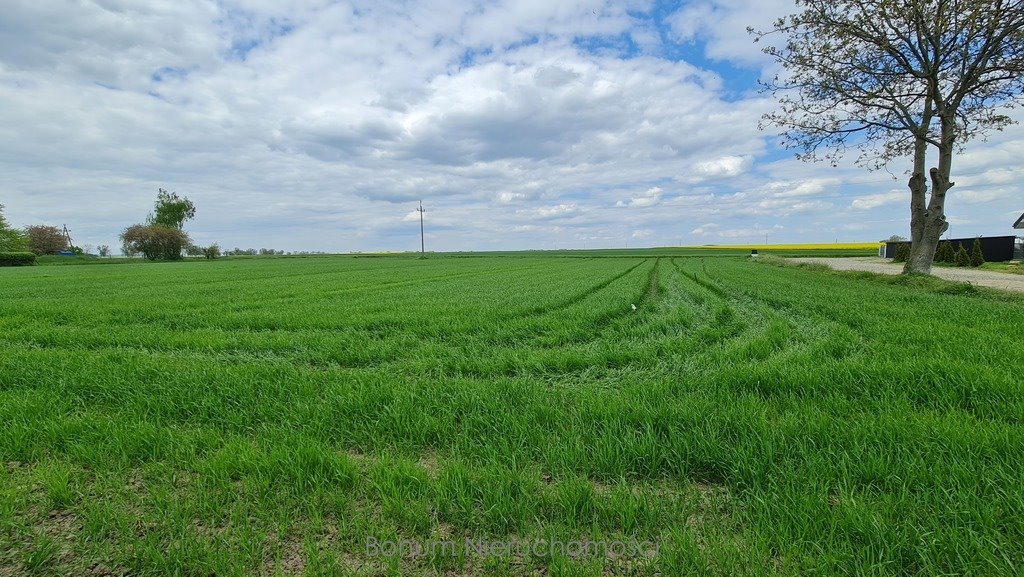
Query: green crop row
(268,416)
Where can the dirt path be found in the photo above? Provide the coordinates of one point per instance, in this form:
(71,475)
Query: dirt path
(1004,281)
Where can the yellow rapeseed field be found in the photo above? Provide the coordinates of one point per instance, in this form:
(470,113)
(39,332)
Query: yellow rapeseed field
(803,246)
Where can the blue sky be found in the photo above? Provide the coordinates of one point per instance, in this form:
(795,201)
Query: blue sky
(521,125)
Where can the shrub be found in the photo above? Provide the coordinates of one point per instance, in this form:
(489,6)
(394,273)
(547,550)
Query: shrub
(211,252)
(17,258)
(155,242)
(945,252)
(902,252)
(45,239)
(962,258)
(977,259)
(11,239)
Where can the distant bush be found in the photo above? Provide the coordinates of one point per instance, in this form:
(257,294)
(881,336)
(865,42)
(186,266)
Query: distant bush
(211,252)
(17,258)
(962,258)
(155,242)
(902,253)
(945,252)
(977,258)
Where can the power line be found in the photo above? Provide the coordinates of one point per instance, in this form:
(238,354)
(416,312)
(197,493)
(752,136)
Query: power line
(423,250)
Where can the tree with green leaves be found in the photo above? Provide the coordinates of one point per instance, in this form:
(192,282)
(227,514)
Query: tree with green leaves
(11,239)
(162,237)
(171,210)
(945,252)
(977,257)
(961,258)
(893,79)
(902,252)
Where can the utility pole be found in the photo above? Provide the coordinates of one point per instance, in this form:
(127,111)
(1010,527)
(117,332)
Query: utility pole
(423,250)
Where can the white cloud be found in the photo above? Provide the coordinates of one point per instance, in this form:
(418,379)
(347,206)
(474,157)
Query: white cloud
(704,230)
(986,195)
(320,125)
(726,166)
(813,187)
(722,25)
(557,211)
(650,197)
(871,201)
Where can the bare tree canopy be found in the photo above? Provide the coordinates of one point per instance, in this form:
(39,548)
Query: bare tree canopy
(891,78)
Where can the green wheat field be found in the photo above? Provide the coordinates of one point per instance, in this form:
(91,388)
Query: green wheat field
(278,416)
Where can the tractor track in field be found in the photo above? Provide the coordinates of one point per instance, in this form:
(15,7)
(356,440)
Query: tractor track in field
(805,330)
(568,302)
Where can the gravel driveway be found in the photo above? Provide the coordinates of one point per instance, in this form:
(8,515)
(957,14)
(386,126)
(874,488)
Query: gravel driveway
(1004,281)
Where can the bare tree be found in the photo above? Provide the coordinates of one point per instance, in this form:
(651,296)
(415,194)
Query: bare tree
(890,78)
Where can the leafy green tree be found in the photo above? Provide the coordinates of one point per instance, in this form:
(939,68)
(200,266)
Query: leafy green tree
(962,258)
(11,239)
(171,210)
(902,252)
(162,237)
(945,253)
(894,79)
(977,258)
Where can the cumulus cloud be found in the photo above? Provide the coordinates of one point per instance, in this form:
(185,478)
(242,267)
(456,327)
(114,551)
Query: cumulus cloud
(871,201)
(551,212)
(320,125)
(704,229)
(722,25)
(650,197)
(726,166)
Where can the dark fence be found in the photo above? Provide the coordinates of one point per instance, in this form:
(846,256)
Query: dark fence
(993,248)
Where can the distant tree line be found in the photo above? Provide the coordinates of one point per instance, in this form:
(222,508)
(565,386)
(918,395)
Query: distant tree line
(267,252)
(160,237)
(253,252)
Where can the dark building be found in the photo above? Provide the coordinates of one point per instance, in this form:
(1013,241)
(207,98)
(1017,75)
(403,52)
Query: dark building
(993,248)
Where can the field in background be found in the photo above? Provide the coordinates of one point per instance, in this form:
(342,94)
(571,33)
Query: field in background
(782,250)
(252,416)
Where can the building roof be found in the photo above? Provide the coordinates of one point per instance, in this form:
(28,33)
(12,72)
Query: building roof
(1020,222)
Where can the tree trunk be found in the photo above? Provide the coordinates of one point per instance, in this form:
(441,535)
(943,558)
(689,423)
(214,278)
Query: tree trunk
(918,213)
(928,224)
